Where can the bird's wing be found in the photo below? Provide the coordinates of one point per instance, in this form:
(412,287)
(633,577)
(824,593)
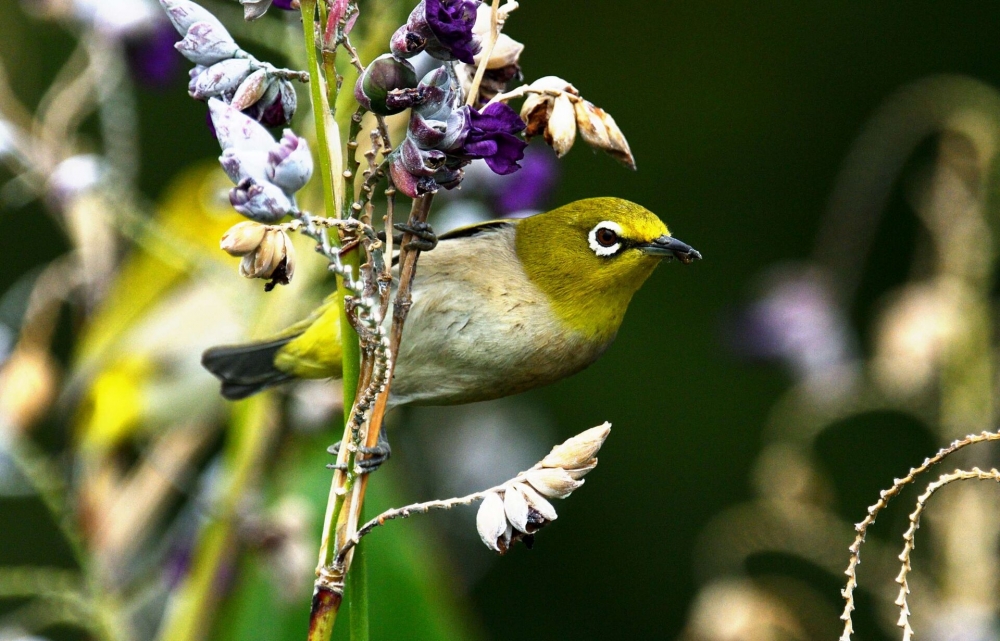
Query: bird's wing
(475,229)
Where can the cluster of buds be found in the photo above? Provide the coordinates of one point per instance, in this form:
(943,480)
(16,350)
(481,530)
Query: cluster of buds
(444,136)
(555,110)
(267,252)
(267,173)
(224,71)
(442,28)
(519,508)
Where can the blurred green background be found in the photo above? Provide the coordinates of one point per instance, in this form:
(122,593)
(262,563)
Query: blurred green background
(739,115)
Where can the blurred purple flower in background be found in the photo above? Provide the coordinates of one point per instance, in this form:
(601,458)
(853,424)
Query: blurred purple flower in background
(530,189)
(152,59)
(798,320)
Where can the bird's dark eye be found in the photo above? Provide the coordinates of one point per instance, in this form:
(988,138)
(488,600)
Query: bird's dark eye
(606,237)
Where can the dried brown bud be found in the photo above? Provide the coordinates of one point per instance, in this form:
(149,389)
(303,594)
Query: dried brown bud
(555,483)
(491,521)
(560,132)
(600,131)
(251,90)
(579,450)
(243,238)
(537,502)
(516,507)
(273,259)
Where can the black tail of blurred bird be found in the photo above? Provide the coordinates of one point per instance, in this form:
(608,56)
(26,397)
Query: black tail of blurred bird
(246,369)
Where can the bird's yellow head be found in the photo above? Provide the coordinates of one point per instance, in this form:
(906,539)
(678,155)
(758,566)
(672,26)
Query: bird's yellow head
(592,255)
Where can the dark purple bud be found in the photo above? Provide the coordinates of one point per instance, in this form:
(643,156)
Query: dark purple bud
(383,75)
(287,5)
(408,184)
(428,134)
(420,162)
(405,43)
(449,177)
(437,95)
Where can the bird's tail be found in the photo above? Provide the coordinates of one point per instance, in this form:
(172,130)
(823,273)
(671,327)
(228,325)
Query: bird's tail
(246,369)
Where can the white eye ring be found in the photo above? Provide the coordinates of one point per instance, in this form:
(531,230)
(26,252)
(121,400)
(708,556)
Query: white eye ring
(597,247)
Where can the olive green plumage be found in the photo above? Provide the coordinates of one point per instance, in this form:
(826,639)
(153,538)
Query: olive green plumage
(498,308)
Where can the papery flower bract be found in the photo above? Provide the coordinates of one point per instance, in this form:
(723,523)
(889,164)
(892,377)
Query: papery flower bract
(599,130)
(554,482)
(516,508)
(491,137)
(537,503)
(242,238)
(273,258)
(578,450)
(491,522)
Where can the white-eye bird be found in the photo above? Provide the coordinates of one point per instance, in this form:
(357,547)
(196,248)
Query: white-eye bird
(498,308)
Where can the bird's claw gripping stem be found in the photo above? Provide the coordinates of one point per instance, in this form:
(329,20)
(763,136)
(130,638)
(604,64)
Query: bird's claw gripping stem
(423,234)
(374,456)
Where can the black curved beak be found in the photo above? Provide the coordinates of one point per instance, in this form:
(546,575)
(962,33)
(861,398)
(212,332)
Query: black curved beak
(670,247)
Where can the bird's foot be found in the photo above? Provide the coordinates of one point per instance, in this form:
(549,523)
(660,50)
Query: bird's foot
(374,456)
(423,239)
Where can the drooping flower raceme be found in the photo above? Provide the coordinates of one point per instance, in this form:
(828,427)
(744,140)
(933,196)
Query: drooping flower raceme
(266,173)
(224,71)
(442,28)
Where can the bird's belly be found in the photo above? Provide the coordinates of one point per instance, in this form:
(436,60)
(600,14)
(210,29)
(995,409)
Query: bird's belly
(453,353)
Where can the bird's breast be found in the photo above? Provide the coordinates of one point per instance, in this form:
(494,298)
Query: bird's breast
(480,329)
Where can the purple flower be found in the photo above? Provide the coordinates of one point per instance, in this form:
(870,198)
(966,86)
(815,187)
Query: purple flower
(287,5)
(451,21)
(492,137)
(442,28)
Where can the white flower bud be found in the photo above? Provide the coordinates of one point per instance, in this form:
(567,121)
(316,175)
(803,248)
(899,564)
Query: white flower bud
(184,13)
(206,44)
(537,502)
(560,132)
(253,9)
(290,165)
(243,238)
(516,507)
(578,450)
(263,202)
(491,521)
(219,79)
(238,131)
(250,90)
(554,482)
